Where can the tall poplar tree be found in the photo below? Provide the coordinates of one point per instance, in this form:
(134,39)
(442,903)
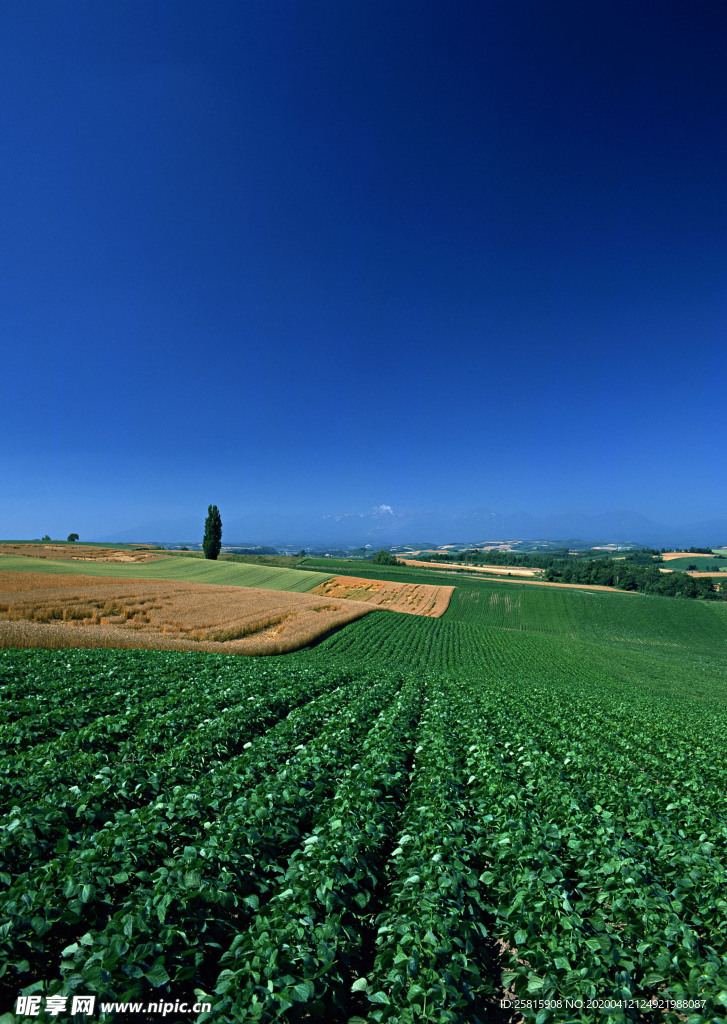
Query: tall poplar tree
(212,541)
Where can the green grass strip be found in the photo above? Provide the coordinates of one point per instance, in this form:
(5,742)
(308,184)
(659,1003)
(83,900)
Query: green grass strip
(189,570)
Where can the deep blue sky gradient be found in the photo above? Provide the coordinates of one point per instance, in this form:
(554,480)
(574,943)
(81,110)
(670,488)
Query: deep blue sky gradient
(308,258)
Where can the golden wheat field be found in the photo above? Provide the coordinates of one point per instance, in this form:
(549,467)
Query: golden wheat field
(413,598)
(669,556)
(89,611)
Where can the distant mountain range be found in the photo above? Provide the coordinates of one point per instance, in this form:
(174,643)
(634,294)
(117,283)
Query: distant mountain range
(384,526)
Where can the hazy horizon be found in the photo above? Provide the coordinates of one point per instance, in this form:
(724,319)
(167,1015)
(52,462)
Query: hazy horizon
(317,261)
(385,526)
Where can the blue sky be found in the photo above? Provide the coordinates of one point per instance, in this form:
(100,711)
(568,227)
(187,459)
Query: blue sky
(310,258)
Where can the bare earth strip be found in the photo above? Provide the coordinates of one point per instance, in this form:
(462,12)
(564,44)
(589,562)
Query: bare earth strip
(37,610)
(81,553)
(413,598)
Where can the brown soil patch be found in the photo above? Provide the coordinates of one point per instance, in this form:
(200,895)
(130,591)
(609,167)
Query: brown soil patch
(38,610)
(504,570)
(83,553)
(413,598)
(669,555)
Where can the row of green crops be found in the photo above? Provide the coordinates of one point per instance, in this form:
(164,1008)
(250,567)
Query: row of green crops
(401,823)
(451,646)
(624,619)
(397,825)
(632,619)
(183,823)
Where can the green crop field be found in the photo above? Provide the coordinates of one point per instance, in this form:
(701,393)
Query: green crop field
(178,567)
(449,574)
(615,618)
(405,823)
(701,563)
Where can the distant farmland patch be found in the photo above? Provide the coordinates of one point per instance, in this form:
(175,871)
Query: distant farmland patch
(504,570)
(412,598)
(692,556)
(39,610)
(694,564)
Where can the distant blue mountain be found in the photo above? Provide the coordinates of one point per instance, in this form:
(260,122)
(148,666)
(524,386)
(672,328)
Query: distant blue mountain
(386,526)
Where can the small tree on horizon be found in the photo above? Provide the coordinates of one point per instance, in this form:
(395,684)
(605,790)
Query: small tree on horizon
(72,537)
(212,541)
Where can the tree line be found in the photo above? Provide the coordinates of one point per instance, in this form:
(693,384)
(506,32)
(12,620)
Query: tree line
(543,559)
(645,579)
(635,571)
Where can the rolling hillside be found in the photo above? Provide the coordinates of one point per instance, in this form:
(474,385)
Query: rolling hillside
(190,570)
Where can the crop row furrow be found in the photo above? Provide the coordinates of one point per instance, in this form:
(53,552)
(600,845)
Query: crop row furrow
(60,692)
(40,775)
(587,908)
(177,798)
(176,853)
(148,719)
(629,746)
(304,947)
(430,933)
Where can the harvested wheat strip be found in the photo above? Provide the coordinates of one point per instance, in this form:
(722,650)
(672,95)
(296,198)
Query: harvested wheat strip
(669,556)
(413,598)
(37,610)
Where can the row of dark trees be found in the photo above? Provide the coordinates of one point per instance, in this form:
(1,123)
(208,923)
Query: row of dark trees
(637,570)
(645,579)
(477,557)
(540,560)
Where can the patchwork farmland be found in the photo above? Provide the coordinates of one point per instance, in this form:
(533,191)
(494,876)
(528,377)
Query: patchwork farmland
(513,811)
(268,610)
